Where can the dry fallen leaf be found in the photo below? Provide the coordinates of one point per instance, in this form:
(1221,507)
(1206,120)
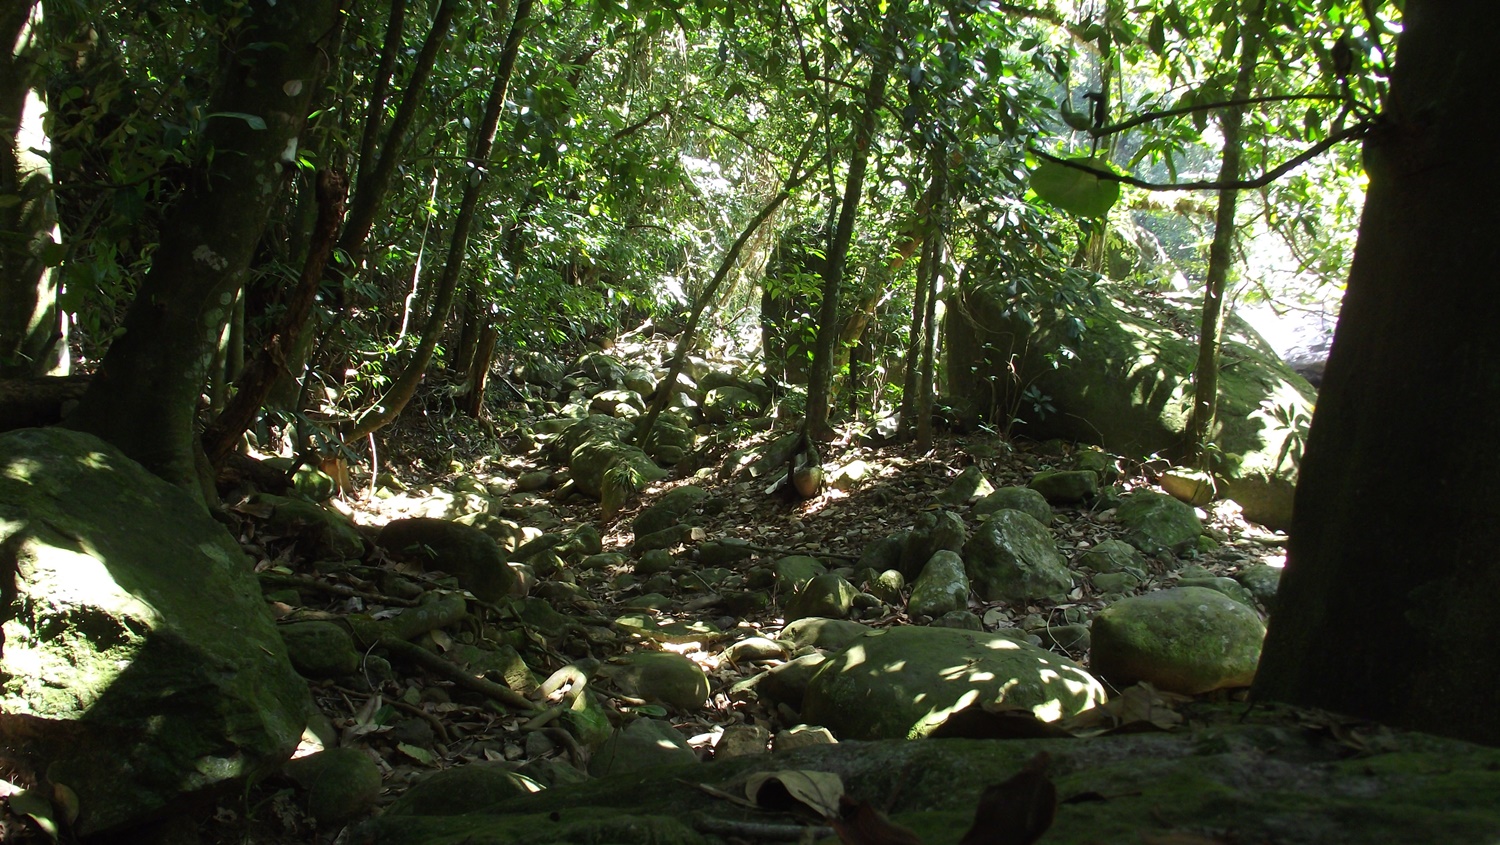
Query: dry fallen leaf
(1018,811)
(859,823)
(819,790)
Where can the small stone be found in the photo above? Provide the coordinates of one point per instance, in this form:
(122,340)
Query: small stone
(969,486)
(664,677)
(1192,486)
(961,619)
(742,741)
(802,736)
(1067,486)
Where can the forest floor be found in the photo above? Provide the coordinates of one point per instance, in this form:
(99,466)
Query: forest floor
(835,526)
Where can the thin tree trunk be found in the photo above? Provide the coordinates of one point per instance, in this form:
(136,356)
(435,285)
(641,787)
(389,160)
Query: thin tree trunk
(820,379)
(479,375)
(1200,430)
(404,386)
(906,424)
(381,83)
(261,373)
(1386,608)
(794,180)
(371,187)
(144,396)
(937,237)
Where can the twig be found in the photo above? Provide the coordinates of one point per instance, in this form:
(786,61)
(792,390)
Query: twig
(437,724)
(1346,134)
(344,590)
(445,668)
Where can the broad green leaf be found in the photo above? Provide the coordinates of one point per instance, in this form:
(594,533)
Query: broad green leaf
(1076,191)
(254,121)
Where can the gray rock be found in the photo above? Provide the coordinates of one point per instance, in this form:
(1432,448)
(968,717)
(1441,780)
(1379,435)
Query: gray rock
(529,482)
(1013,558)
(342,783)
(858,696)
(463,551)
(941,587)
(1227,586)
(794,571)
(802,736)
(319,649)
(1114,556)
(828,596)
(887,585)
(827,634)
(1066,486)
(1156,522)
(723,552)
(1073,639)
(660,676)
(934,531)
(1262,580)
(1188,640)
(1022,499)
(138,652)
(642,744)
(668,510)
(967,487)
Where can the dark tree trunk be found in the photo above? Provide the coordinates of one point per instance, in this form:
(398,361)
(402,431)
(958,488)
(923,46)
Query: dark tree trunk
(32,340)
(404,386)
(270,362)
(145,394)
(820,378)
(1200,428)
(1387,606)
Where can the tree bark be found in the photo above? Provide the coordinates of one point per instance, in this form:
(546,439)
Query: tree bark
(404,386)
(1387,604)
(1200,428)
(270,362)
(32,338)
(937,236)
(820,378)
(145,393)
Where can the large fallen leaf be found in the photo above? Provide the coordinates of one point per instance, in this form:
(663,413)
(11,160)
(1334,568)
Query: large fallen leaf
(1018,811)
(859,823)
(1077,191)
(820,791)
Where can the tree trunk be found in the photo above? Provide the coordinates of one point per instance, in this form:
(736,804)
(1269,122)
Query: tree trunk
(404,386)
(479,369)
(32,330)
(820,379)
(1200,428)
(795,179)
(270,362)
(937,222)
(1387,604)
(145,394)
(906,423)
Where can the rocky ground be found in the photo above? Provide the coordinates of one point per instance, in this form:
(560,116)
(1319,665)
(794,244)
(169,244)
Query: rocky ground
(411,720)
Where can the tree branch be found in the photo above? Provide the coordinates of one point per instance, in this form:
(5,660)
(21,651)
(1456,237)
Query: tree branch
(1226,104)
(1355,131)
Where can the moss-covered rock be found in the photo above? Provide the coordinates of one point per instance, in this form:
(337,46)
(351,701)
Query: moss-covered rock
(1066,486)
(660,676)
(463,551)
(342,784)
(1012,557)
(828,595)
(1156,522)
(1023,499)
(140,667)
(941,587)
(668,510)
(905,681)
(1188,640)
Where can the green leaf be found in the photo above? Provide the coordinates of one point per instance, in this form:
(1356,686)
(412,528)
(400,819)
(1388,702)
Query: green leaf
(255,122)
(1157,36)
(1076,191)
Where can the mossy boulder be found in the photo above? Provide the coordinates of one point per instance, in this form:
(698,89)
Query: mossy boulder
(828,595)
(342,784)
(1023,499)
(1188,640)
(660,676)
(1156,522)
(905,681)
(1013,558)
(668,510)
(463,551)
(1066,486)
(933,532)
(941,587)
(1128,385)
(140,667)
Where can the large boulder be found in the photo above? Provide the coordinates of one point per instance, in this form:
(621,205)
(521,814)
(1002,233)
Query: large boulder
(463,551)
(1125,382)
(1013,558)
(1155,522)
(140,667)
(905,681)
(1188,640)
